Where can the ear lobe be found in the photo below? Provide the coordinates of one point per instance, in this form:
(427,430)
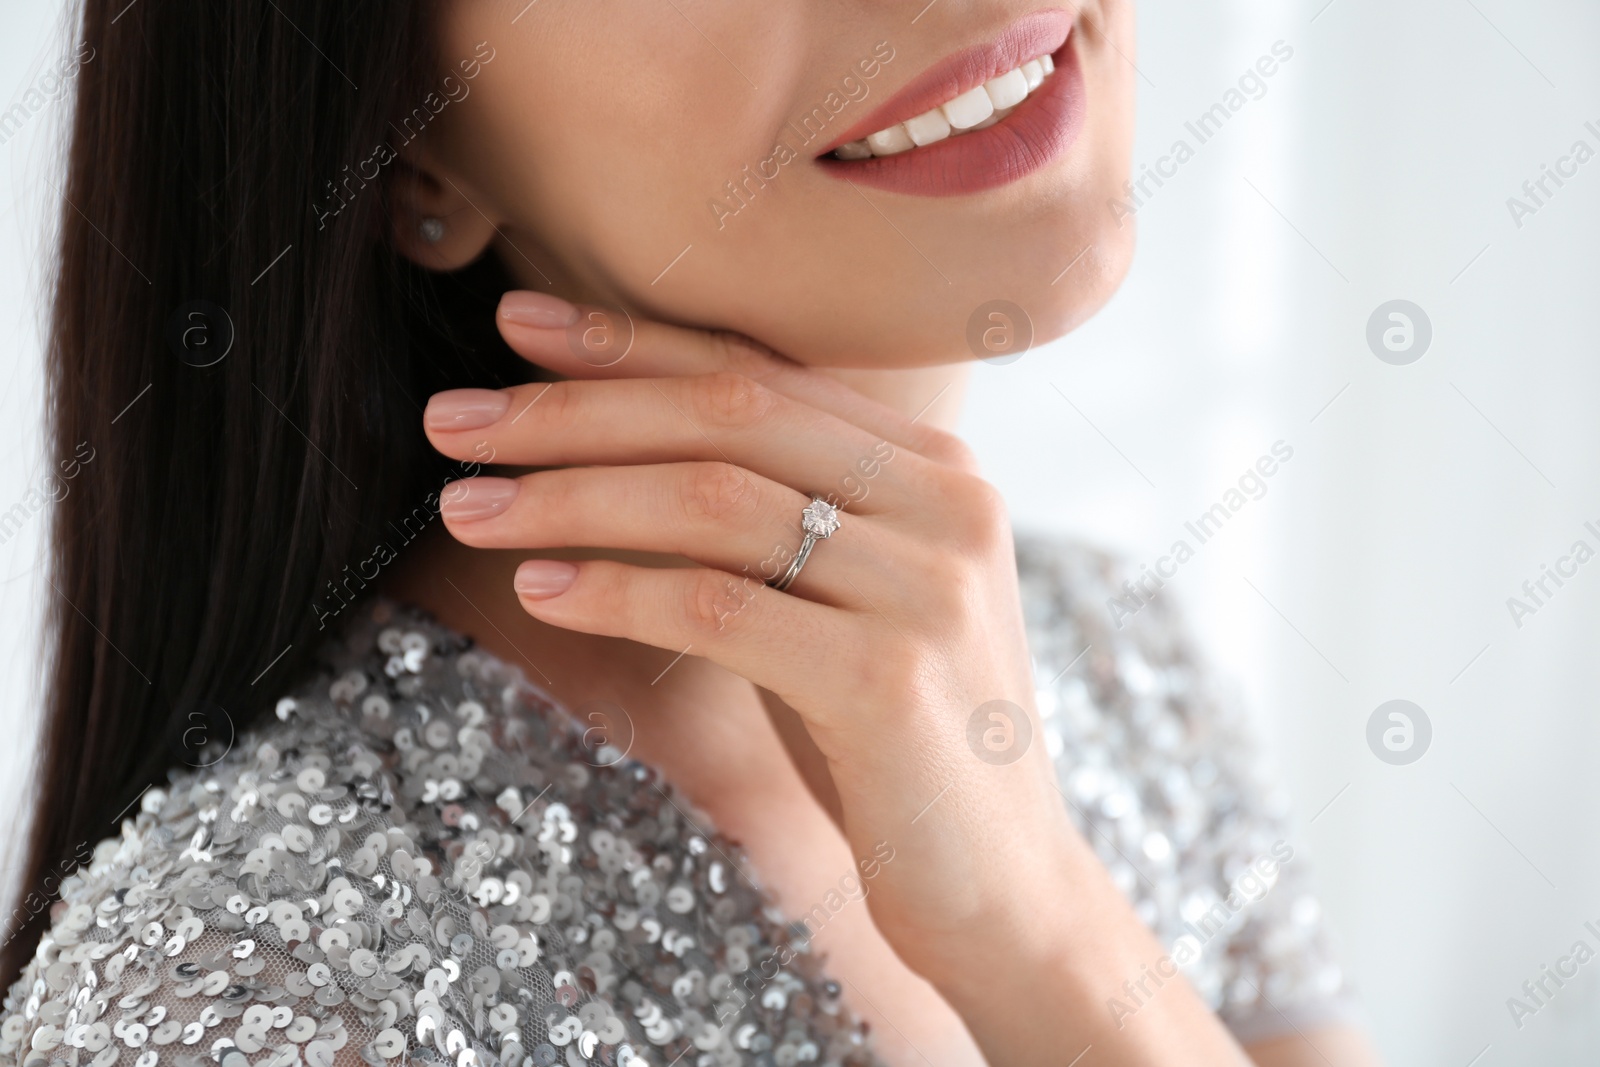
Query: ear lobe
(436,222)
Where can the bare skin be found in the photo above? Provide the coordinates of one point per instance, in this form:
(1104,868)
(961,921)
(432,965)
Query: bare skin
(608,552)
(948,977)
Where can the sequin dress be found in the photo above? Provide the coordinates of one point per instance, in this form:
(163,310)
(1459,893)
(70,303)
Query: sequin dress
(420,859)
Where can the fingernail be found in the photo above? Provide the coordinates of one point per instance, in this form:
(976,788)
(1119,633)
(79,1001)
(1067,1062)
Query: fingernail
(476,498)
(465,409)
(541,579)
(526,308)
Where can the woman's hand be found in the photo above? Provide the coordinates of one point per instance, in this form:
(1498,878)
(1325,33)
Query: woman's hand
(900,645)
(899,627)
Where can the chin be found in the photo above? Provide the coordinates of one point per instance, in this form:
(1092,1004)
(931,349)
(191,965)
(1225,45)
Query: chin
(993,313)
(1099,274)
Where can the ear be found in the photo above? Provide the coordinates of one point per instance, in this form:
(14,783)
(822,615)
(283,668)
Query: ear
(437,219)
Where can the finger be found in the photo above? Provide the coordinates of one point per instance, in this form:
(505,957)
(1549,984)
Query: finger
(751,630)
(588,341)
(712,513)
(723,417)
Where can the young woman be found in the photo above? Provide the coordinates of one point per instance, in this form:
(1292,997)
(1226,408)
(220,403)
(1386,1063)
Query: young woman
(527,605)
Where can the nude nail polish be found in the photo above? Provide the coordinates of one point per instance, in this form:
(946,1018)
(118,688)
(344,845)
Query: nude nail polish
(541,579)
(522,307)
(477,498)
(465,409)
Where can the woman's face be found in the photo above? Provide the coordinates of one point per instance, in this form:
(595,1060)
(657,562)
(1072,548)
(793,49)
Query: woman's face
(675,158)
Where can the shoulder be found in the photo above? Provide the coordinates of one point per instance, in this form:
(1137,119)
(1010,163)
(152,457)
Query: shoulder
(209,913)
(1163,770)
(416,857)
(1083,579)
(1077,596)
(1133,681)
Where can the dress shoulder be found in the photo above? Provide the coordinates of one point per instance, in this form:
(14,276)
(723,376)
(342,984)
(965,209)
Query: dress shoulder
(418,858)
(1164,774)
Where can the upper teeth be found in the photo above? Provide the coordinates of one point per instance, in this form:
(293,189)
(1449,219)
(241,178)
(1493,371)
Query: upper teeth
(981,106)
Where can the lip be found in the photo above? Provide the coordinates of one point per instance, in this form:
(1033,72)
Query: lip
(1037,132)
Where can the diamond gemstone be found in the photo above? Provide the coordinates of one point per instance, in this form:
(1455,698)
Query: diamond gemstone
(820,518)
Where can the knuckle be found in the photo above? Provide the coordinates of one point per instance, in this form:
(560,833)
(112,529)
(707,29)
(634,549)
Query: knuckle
(944,447)
(715,600)
(731,400)
(980,521)
(947,597)
(717,492)
(555,404)
(740,353)
(937,577)
(609,595)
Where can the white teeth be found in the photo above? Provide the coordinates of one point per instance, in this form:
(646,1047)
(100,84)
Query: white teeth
(928,127)
(1008,90)
(992,119)
(976,109)
(888,142)
(969,109)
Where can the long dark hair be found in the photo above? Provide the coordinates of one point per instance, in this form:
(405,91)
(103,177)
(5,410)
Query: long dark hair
(237,366)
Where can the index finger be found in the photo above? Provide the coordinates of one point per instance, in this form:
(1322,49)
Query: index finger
(589,341)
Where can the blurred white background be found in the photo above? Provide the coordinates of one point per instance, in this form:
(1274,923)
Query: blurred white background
(1375,166)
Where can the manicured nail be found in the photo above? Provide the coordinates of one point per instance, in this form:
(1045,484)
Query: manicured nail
(476,498)
(525,308)
(541,579)
(465,409)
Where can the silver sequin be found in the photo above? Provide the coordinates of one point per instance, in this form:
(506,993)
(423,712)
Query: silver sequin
(417,859)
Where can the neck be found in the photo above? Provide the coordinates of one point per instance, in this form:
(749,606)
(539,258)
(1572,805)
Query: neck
(931,395)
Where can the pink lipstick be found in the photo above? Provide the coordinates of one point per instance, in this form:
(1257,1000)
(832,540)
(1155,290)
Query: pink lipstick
(980,119)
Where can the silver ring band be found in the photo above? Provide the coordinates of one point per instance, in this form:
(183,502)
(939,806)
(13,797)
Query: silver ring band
(818,521)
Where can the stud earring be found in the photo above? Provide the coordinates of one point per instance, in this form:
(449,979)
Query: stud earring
(432,229)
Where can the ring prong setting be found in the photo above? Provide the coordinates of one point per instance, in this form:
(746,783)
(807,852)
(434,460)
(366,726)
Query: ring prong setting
(818,522)
(820,518)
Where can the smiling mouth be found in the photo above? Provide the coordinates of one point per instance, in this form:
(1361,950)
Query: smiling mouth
(976,109)
(984,117)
